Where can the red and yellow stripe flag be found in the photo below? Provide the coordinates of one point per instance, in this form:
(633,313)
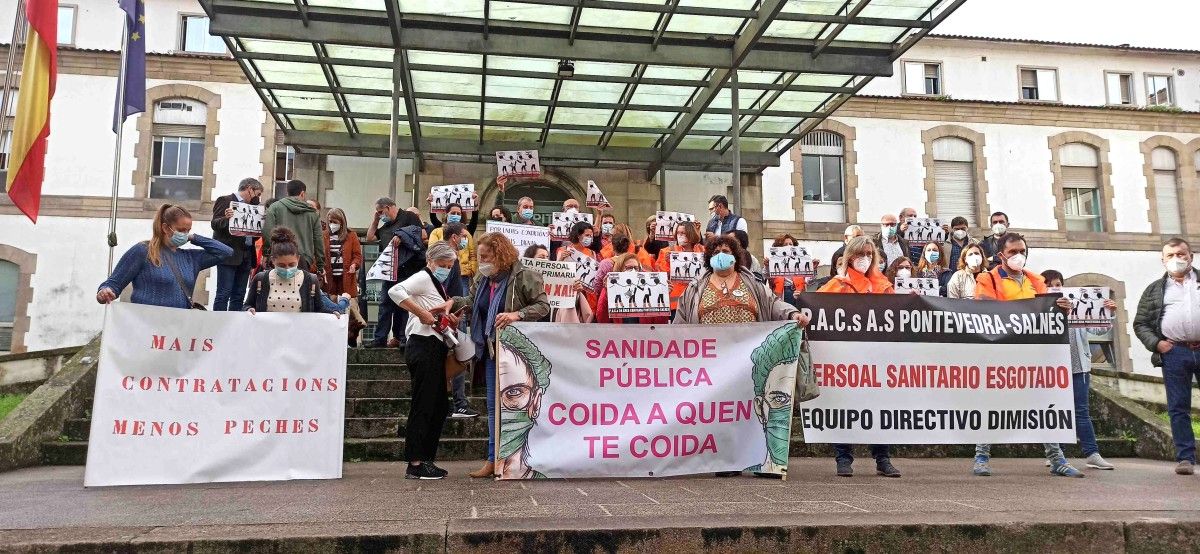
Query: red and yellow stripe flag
(27,162)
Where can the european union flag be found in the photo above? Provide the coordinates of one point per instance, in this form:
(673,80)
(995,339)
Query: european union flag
(134,79)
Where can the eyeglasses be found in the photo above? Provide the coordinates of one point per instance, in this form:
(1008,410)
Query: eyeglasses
(516,397)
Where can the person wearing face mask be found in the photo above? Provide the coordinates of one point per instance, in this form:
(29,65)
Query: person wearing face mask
(858,273)
(957,240)
(402,231)
(787,288)
(970,265)
(1168,325)
(288,287)
(889,241)
(623,262)
(424,297)
(608,223)
(233,272)
(991,243)
(499,214)
(345,256)
(581,239)
(505,292)
(933,266)
(651,247)
(628,246)
(161,271)
(525,211)
(464,242)
(1011,281)
(456,214)
(723,219)
(687,239)
(620,241)
(850,232)
(901,268)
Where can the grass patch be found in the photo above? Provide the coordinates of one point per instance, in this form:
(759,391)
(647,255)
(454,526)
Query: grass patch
(8,402)
(1161,415)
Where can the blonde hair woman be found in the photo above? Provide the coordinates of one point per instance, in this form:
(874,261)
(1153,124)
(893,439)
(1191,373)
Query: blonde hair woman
(858,270)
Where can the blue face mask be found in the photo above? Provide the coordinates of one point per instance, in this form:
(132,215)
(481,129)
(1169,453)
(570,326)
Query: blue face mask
(527,213)
(462,243)
(441,273)
(179,239)
(721,261)
(384,220)
(286,273)
(454,218)
(932,256)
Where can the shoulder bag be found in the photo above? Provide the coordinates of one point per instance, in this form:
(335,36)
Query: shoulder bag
(183,287)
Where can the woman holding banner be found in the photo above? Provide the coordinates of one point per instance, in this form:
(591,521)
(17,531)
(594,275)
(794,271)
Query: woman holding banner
(582,312)
(970,265)
(787,287)
(623,262)
(858,273)
(932,265)
(506,292)
(288,287)
(687,239)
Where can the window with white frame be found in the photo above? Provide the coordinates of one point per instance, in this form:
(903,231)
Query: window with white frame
(1160,90)
(922,78)
(177,167)
(285,168)
(1081,187)
(5,149)
(1039,84)
(822,167)
(10,275)
(66,24)
(954,178)
(194,36)
(1119,88)
(1166,190)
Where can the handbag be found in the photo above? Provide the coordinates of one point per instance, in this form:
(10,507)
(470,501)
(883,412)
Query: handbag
(806,380)
(182,287)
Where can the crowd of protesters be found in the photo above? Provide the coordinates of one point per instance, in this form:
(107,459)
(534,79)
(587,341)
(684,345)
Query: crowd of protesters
(451,280)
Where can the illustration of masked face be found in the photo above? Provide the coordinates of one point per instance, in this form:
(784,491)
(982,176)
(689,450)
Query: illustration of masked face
(520,401)
(774,410)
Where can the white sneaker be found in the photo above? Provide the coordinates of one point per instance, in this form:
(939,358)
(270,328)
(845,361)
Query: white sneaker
(1096,461)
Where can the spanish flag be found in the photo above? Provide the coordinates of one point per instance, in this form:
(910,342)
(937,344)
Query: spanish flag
(27,162)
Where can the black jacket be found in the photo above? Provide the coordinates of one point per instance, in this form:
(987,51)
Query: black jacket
(1147,324)
(260,289)
(220,227)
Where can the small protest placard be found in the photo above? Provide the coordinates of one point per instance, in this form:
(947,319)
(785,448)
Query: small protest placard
(559,278)
(1087,306)
(522,236)
(562,222)
(517,163)
(924,230)
(923,286)
(686,266)
(444,196)
(586,268)
(790,261)
(638,294)
(247,220)
(384,268)
(665,222)
(596,198)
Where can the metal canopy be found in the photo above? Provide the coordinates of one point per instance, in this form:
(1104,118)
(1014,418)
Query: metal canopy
(651,87)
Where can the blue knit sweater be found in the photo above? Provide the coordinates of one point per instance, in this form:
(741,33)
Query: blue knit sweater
(157,285)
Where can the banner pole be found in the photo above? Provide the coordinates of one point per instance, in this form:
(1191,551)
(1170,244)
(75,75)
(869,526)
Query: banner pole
(120,128)
(18,25)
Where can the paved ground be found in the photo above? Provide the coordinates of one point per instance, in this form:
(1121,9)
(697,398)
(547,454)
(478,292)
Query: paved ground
(48,505)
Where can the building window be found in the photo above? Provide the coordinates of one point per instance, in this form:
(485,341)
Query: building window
(1039,84)
(954,178)
(822,165)
(177,166)
(10,275)
(1160,90)
(66,25)
(285,168)
(922,78)
(1119,88)
(5,148)
(194,37)
(1166,190)
(1081,187)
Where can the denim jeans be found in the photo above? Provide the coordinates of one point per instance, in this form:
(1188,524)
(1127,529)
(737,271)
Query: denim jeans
(231,287)
(1054,451)
(391,317)
(1081,383)
(845,452)
(1181,367)
(489,372)
(459,389)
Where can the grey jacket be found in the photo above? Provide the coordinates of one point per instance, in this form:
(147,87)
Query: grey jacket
(770,307)
(1147,324)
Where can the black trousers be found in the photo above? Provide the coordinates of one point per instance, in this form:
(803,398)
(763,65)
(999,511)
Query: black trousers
(426,358)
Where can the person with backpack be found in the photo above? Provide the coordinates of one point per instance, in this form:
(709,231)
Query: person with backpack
(287,287)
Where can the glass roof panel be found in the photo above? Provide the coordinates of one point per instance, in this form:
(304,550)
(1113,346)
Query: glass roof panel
(581,116)
(447,108)
(357,4)
(748,76)
(500,86)
(294,73)
(514,112)
(458,83)
(617,19)
(318,123)
(354,76)
(798,101)
(794,29)
(425,57)
(635,118)
(633,140)
(371,104)
(359,53)
(279,47)
(675,72)
(546,65)
(604,68)
(591,91)
(821,7)
(661,95)
(449,131)
(713,122)
(574,137)
(756,145)
(457,8)
(511,134)
(870,33)
(902,9)
(705,24)
(693,142)
(294,100)
(771,124)
(731,4)
(376,127)
(518,11)
(822,79)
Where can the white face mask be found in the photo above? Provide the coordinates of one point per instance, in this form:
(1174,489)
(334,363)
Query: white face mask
(487,270)
(974,260)
(572,210)
(681,241)
(334,227)
(1016,263)
(1177,266)
(862,264)
(903,273)
(960,234)
(999,229)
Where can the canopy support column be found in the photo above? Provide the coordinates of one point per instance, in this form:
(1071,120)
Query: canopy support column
(737,143)
(393,146)
(662,189)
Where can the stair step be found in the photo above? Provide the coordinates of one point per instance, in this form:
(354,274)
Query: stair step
(394,407)
(374,356)
(376,371)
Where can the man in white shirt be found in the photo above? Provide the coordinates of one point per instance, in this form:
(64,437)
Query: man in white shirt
(889,241)
(1168,324)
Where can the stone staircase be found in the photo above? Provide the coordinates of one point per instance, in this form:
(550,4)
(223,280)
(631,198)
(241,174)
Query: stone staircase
(378,397)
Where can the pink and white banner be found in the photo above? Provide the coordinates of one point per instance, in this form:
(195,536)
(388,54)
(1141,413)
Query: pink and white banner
(187,396)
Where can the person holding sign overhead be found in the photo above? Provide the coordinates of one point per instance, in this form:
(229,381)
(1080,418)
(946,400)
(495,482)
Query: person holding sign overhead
(858,273)
(233,272)
(687,239)
(621,263)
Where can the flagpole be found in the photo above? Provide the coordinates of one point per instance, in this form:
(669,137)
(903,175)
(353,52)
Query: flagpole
(12,63)
(120,128)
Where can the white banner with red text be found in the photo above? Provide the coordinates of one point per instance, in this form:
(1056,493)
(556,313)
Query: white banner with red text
(909,369)
(593,401)
(188,396)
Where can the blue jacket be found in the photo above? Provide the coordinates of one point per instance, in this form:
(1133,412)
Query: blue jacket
(157,285)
